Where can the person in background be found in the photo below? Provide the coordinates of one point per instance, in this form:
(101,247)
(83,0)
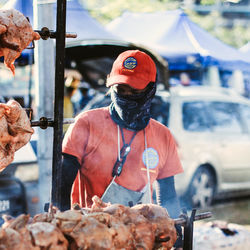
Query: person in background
(184,79)
(118,152)
(86,94)
(71,83)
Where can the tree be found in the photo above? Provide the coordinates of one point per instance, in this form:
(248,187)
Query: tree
(106,10)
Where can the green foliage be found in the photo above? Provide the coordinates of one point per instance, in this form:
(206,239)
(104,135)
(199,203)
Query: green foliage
(208,2)
(106,10)
(235,36)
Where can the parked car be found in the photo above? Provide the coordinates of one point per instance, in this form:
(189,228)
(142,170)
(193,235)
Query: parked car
(212,132)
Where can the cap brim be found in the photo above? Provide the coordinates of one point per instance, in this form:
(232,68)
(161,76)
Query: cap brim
(133,82)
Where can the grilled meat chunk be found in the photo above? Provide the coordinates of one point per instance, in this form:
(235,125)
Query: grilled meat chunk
(16,33)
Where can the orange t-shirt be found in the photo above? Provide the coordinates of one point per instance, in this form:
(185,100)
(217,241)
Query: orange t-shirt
(93,139)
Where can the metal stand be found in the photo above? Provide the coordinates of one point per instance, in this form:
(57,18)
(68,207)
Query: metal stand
(188,232)
(188,224)
(57,122)
(58,105)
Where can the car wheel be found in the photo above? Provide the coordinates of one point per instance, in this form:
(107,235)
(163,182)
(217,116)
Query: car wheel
(202,188)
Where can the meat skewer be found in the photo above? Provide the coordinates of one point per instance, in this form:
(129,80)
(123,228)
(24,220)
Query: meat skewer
(15,131)
(16,33)
(103,226)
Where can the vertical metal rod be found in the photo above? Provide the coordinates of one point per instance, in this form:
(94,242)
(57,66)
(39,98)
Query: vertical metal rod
(188,232)
(58,105)
(30,77)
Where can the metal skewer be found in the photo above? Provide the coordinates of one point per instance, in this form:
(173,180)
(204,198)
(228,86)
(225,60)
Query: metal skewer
(45,33)
(183,220)
(188,222)
(45,122)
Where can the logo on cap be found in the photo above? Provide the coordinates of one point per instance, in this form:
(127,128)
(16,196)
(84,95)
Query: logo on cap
(130,63)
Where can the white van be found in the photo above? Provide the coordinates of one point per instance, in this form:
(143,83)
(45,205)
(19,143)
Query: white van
(211,127)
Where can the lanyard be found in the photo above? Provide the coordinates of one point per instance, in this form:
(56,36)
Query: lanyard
(122,154)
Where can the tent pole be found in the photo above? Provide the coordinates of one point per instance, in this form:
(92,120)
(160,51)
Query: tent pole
(58,106)
(30,78)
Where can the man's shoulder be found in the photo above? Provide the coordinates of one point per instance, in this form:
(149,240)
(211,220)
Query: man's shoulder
(94,116)
(157,125)
(103,111)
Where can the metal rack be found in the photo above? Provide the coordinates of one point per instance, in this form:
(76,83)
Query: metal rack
(187,222)
(57,123)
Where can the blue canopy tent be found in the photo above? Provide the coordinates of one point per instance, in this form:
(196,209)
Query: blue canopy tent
(180,41)
(246,49)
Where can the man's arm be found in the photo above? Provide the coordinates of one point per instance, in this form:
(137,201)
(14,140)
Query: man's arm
(166,197)
(70,167)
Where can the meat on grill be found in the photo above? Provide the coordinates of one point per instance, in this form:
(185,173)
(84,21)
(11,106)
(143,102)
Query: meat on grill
(15,131)
(103,226)
(16,33)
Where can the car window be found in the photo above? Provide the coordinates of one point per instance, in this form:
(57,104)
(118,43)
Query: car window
(225,117)
(245,109)
(160,110)
(193,116)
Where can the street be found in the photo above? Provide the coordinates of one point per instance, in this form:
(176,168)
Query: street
(236,210)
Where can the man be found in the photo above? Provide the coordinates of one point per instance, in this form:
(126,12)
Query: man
(119,150)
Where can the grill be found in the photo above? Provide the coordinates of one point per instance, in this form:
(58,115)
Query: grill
(187,222)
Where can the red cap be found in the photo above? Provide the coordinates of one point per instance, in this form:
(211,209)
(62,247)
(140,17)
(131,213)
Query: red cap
(132,67)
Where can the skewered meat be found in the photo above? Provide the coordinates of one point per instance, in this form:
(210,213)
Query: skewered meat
(47,236)
(151,222)
(89,233)
(159,217)
(15,131)
(19,222)
(11,239)
(103,226)
(18,124)
(7,149)
(16,33)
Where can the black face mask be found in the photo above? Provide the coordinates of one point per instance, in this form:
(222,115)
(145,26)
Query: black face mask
(132,111)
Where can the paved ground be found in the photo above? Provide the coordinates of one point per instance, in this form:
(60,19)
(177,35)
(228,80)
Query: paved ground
(233,211)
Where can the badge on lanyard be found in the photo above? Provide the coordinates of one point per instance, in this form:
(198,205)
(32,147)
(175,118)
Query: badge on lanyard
(150,158)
